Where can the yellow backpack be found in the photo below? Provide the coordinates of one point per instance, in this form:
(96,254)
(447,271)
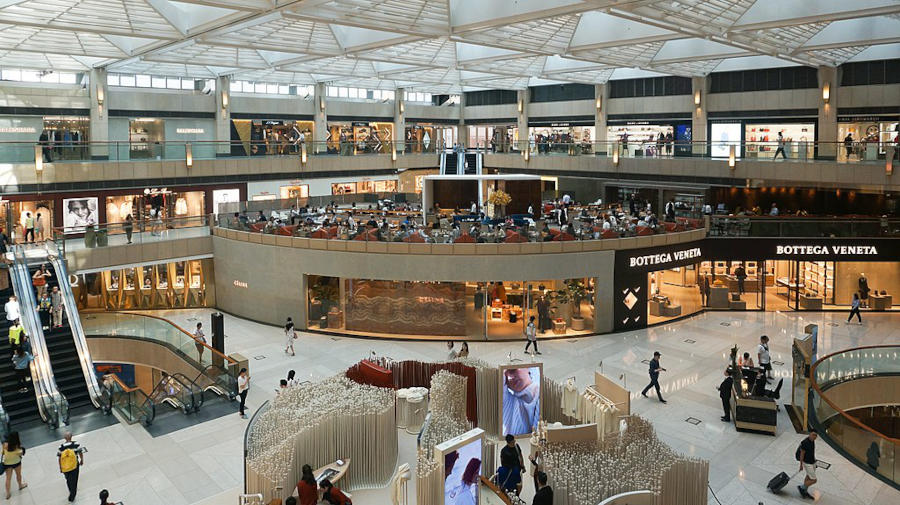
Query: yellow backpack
(68,461)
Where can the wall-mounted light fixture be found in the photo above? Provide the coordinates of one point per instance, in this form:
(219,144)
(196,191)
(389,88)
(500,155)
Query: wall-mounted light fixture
(731,157)
(402,107)
(224,100)
(521,106)
(322,103)
(826,92)
(890,152)
(188,155)
(393,154)
(303,154)
(697,98)
(616,154)
(526,153)
(38,158)
(599,103)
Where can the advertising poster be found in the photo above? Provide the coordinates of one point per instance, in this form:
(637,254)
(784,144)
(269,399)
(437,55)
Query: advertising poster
(520,398)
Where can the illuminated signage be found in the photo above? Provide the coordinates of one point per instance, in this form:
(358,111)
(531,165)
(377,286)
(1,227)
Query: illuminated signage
(824,250)
(189,130)
(240,284)
(662,258)
(18,129)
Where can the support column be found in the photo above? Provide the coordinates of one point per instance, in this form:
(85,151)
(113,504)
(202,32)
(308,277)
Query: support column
(400,121)
(827,132)
(462,133)
(699,88)
(320,131)
(99,135)
(601,101)
(223,116)
(523,97)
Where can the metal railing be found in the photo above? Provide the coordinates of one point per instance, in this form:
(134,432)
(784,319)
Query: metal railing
(177,391)
(800,226)
(141,230)
(796,150)
(217,369)
(52,404)
(872,450)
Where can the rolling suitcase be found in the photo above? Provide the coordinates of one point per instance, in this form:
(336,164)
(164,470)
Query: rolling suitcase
(779,481)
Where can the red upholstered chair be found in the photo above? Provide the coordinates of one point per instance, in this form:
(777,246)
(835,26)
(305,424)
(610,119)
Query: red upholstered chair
(609,234)
(563,237)
(415,238)
(368,236)
(464,238)
(286,230)
(332,232)
(643,231)
(514,238)
(673,227)
(554,232)
(320,233)
(257,227)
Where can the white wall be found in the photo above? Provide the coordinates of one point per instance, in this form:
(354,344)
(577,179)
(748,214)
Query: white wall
(317,187)
(64,96)
(121,98)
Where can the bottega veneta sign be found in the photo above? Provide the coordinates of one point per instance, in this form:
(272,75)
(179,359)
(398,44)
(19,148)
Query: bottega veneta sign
(825,250)
(662,258)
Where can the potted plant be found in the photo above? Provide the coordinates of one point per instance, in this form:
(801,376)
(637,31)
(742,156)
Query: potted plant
(561,305)
(576,293)
(499,199)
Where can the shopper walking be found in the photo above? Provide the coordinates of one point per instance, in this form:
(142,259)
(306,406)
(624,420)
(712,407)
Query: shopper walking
(780,148)
(71,457)
(531,335)
(854,309)
(243,383)
(512,464)
(848,145)
(39,228)
(290,335)
(12,309)
(725,389)
(654,377)
(104,498)
(56,307)
(306,488)
(763,358)
(200,341)
(29,227)
(12,460)
(806,455)
(128,226)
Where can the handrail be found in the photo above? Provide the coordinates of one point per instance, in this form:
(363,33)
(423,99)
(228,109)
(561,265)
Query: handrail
(52,404)
(146,405)
(214,351)
(838,410)
(92,234)
(84,352)
(183,393)
(192,387)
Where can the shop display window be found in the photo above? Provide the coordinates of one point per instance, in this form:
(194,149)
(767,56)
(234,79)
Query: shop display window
(324,298)
(146,137)
(426,138)
(867,140)
(294,192)
(343,188)
(164,286)
(385,186)
(561,139)
(673,293)
(68,136)
(642,139)
(761,140)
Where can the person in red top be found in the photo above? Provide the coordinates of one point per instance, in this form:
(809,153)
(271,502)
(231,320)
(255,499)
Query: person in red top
(333,495)
(306,488)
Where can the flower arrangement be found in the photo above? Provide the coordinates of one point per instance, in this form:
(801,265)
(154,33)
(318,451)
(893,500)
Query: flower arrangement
(499,197)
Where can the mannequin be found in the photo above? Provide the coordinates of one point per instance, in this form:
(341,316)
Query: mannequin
(863,290)
(543,308)
(569,398)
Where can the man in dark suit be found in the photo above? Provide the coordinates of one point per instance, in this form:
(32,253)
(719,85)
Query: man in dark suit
(544,495)
(654,377)
(725,394)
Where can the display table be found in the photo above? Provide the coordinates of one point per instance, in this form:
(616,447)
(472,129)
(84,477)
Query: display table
(811,302)
(738,305)
(718,297)
(882,302)
(559,327)
(336,319)
(755,413)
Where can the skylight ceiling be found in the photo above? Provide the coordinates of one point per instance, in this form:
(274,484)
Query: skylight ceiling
(442,46)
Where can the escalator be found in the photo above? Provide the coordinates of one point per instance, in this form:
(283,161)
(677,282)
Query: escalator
(20,407)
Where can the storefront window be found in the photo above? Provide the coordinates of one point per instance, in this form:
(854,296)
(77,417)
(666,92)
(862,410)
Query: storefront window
(269,136)
(865,140)
(761,140)
(324,298)
(294,192)
(146,137)
(165,286)
(17,215)
(359,138)
(427,138)
(343,188)
(673,293)
(68,136)
(561,139)
(497,138)
(643,139)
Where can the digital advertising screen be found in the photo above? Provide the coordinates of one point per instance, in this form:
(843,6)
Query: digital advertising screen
(722,136)
(462,467)
(520,398)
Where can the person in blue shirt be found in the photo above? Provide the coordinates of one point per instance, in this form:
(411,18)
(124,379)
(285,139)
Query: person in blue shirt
(654,377)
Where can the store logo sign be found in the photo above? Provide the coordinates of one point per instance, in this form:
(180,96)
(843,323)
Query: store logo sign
(662,258)
(240,284)
(824,250)
(18,129)
(189,130)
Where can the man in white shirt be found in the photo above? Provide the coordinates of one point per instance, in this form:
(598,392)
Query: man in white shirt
(243,385)
(474,209)
(12,308)
(763,357)
(521,399)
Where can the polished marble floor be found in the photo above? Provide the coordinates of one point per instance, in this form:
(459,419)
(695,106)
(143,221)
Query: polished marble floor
(202,464)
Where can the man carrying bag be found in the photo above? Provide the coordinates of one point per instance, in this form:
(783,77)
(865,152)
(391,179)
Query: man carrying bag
(71,457)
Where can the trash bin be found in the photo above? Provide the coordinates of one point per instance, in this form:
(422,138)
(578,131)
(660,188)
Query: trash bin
(90,239)
(418,407)
(102,237)
(402,408)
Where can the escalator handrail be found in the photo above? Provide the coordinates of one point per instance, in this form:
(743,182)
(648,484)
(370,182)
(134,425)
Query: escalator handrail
(192,387)
(126,389)
(184,387)
(84,352)
(230,391)
(52,404)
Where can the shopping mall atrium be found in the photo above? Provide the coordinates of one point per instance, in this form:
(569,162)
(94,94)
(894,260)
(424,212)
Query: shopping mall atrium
(450,252)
